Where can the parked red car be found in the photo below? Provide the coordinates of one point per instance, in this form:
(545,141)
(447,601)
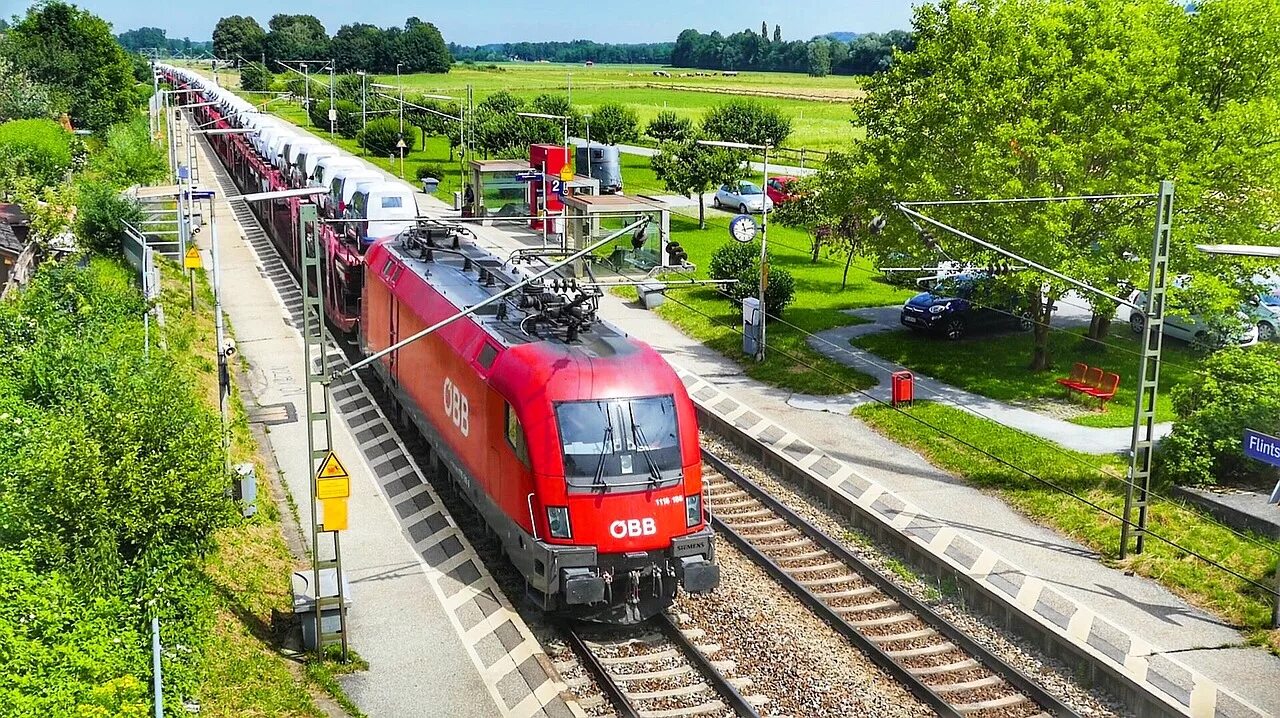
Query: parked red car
(778,189)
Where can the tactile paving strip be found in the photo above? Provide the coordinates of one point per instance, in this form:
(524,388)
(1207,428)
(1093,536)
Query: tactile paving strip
(509,659)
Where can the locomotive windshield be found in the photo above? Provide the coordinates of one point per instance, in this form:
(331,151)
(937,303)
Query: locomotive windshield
(620,443)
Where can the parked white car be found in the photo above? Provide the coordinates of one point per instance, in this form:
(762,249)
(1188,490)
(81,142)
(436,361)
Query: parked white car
(744,197)
(1195,329)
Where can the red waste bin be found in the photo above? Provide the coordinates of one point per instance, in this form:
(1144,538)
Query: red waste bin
(904,388)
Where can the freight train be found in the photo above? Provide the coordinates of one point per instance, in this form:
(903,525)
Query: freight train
(577,444)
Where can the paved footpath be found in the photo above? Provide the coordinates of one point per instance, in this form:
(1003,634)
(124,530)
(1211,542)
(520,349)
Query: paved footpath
(440,638)
(1158,632)
(834,344)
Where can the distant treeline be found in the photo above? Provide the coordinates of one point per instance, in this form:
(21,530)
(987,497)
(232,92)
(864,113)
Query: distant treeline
(578,51)
(416,46)
(748,50)
(145,38)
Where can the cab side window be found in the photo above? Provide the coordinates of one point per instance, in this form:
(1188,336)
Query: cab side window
(515,436)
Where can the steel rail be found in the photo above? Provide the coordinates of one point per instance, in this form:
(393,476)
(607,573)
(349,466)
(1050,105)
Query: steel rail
(664,624)
(1001,668)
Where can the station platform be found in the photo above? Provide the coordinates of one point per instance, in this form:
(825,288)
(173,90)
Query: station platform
(1187,661)
(438,634)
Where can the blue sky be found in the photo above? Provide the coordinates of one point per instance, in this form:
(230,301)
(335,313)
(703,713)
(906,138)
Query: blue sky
(480,21)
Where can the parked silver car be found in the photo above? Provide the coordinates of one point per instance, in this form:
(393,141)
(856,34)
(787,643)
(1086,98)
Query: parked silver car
(1195,329)
(744,197)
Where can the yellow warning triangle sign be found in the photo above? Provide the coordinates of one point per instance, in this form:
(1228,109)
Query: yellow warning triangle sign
(331,468)
(192,259)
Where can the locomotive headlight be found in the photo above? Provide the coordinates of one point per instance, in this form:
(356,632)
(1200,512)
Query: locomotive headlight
(558,522)
(693,510)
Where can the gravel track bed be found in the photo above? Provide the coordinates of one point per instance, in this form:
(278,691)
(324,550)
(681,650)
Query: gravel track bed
(1056,677)
(793,658)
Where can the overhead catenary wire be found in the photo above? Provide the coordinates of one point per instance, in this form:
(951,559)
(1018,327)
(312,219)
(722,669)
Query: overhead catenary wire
(1053,446)
(1000,460)
(1122,480)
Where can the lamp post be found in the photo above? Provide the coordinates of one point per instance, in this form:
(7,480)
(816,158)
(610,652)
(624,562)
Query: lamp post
(333,110)
(400,144)
(764,229)
(224,348)
(1143,440)
(306,85)
(364,98)
(587,119)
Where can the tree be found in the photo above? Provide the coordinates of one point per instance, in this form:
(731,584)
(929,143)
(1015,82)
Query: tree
(764,31)
(831,207)
(549,104)
(21,97)
(238,37)
(436,125)
(295,37)
(1013,98)
(360,46)
(667,126)
(128,156)
(820,57)
(255,77)
(777,34)
(689,168)
(422,48)
(612,123)
(142,38)
(74,53)
(747,121)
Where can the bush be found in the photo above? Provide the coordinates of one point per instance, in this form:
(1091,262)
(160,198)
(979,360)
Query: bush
(255,77)
(101,213)
(37,149)
(1238,389)
(732,258)
(129,156)
(381,135)
(742,262)
(433,171)
(347,122)
(111,486)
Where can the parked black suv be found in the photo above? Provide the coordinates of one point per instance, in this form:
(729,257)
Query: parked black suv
(965,303)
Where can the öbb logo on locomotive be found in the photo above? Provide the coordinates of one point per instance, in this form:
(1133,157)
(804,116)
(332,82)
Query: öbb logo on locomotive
(457,407)
(633,527)
(576,444)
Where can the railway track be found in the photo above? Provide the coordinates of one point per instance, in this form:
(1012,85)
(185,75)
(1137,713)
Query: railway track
(949,671)
(657,670)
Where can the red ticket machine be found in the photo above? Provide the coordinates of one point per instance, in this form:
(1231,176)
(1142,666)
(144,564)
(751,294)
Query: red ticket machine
(550,160)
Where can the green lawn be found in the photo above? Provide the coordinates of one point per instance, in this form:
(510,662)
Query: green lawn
(819,107)
(996,367)
(1237,601)
(817,306)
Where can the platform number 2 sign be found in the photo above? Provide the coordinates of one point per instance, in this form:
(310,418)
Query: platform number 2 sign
(557,186)
(457,407)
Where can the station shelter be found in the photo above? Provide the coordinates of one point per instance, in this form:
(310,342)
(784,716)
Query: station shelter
(589,218)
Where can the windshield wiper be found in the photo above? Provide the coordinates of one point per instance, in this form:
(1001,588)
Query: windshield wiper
(605,443)
(637,435)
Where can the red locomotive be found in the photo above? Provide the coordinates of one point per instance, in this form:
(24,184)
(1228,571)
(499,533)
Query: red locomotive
(577,444)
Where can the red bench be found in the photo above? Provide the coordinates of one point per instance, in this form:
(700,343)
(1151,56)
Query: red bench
(1092,381)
